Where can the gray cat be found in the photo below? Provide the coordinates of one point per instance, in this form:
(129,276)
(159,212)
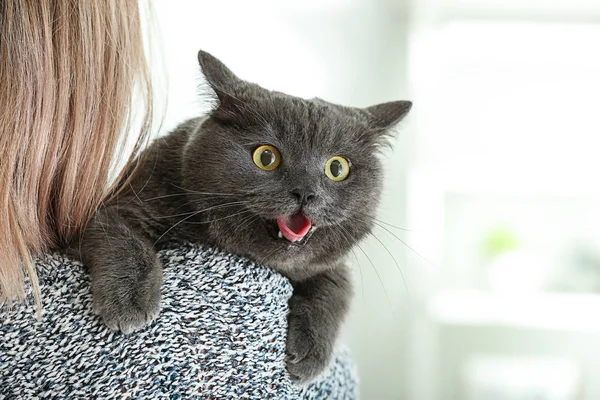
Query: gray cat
(288,182)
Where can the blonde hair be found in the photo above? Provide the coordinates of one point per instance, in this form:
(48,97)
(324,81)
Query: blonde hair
(70,71)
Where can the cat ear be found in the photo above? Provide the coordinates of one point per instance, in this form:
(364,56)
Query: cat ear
(219,77)
(387,115)
(224,83)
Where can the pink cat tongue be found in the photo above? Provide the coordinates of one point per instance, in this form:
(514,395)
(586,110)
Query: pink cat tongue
(294,227)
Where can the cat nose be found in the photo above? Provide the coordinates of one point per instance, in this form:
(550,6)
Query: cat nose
(303,195)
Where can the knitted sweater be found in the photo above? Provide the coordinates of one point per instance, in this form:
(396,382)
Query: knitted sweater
(220,335)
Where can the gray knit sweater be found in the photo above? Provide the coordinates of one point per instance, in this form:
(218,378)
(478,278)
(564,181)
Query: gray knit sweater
(220,335)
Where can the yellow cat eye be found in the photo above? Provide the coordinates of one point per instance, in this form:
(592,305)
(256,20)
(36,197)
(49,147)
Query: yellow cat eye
(266,157)
(337,168)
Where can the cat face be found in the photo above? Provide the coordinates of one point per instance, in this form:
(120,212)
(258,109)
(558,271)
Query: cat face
(292,183)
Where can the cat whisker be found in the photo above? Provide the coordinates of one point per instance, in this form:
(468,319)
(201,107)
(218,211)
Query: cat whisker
(377,224)
(404,243)
(378,275)
(134,192)
(219,219)
(386,223)
(176,224)
(362,286)
(149,177)
(233,203)
(245,220)
(193,214)
(103,229)
(392,226)
(207,193)
(208,197)
(165,196)
(397,266)
(372,265)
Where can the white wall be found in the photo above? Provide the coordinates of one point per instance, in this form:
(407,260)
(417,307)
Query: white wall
(507,95)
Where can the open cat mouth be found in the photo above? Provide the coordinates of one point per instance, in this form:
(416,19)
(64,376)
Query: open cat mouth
(295,228)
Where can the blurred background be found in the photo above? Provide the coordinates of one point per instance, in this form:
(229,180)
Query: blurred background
(482,279)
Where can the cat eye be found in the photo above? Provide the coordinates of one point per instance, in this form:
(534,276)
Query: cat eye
(337,168)
(266,157)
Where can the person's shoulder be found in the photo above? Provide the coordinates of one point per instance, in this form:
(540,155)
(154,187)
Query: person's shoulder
(222,330)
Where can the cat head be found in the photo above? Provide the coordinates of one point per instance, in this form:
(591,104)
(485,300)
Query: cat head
(290,182)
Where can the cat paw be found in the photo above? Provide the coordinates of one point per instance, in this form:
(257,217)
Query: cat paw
(127,315)
(308,349)
(126,305)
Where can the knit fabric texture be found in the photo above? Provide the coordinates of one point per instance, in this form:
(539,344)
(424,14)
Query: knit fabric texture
(220,335)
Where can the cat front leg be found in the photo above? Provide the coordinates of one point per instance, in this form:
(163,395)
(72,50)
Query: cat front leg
(318,307)
(125,270)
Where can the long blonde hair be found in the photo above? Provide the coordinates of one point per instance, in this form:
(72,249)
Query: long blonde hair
(69,73)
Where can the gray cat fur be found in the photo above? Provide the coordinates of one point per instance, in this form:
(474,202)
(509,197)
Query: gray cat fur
(199,184)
